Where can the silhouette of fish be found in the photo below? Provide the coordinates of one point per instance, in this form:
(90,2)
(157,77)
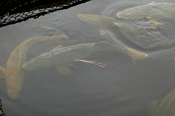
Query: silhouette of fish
(166,107)
(14,73)
(61,57)
(116,25)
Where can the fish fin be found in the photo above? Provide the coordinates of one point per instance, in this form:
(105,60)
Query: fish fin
(2,72)
(153,22)
(26,73)
(137,36)
(152,2)
(57,47)
(63,70)
(152,107)
(58,38)
(133,61)
(92,62)
(102,32)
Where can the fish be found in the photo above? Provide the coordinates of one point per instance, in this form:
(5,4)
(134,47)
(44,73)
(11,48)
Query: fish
(116,26)
(149,11)
(60,57)
(14,73)
(166,107)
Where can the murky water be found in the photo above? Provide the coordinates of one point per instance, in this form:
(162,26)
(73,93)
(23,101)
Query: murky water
(119,89)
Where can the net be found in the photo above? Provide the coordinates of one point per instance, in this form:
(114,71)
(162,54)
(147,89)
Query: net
(13,11)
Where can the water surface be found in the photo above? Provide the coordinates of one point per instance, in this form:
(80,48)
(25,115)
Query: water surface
(119,89)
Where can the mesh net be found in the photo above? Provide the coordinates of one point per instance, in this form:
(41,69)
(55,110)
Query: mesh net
(13,11)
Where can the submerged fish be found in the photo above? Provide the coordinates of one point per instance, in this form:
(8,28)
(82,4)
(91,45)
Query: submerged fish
(61,57)
(149,11)
(166,107)
(116,25)
(14,73)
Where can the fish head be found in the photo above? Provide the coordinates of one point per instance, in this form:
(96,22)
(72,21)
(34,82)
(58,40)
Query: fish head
(93,19)
(12,93)
(128,14)
(39,62)
(13,86)
(136,55)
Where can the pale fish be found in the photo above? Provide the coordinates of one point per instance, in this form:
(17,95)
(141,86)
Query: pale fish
(14,73)
(61,57)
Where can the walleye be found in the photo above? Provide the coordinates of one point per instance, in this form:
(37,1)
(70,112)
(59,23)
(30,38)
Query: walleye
(116,25)
(166,107)
(61,57)
(14,73)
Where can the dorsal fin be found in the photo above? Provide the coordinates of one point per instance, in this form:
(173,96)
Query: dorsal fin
(63,70)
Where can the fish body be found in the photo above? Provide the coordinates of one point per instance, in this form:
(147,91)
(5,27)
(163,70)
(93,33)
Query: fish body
(116,25)
(166,107)
(61,57)
(14,73)
(149,11)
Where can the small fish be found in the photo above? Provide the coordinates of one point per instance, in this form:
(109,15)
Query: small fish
(14,73)
(61,57)
(166,107)
(116,25)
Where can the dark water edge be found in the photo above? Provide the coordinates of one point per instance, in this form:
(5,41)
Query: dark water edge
(120,89)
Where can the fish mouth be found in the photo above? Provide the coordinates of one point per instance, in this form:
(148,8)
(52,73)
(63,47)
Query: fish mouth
(118,16)
(13,97)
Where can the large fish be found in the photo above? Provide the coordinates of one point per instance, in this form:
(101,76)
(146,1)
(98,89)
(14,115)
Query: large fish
(116,25)
(166,107)
(61,57)
(149,11)
(14,73)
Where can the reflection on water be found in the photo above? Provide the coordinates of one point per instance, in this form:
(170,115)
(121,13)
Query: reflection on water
(120,88)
